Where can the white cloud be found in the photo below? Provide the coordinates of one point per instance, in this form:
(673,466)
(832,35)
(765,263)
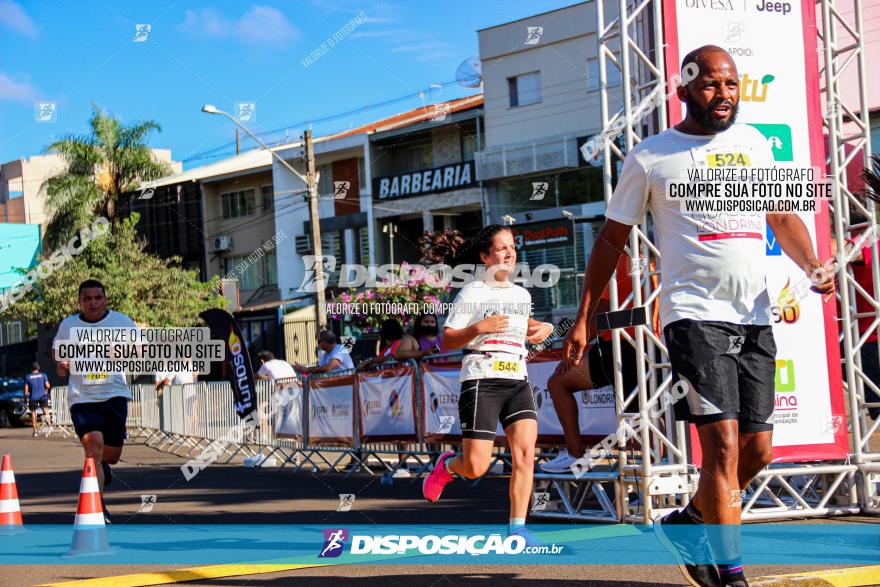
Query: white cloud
(260,26)
(378,34)
(11,90)
(418,47)
(13,16)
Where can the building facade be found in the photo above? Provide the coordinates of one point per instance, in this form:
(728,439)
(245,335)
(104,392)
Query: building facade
(541,87)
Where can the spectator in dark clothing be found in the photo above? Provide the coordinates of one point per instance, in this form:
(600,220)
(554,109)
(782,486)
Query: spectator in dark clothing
(36,393)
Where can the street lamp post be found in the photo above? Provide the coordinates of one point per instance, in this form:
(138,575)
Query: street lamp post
(390,228)
(311,186)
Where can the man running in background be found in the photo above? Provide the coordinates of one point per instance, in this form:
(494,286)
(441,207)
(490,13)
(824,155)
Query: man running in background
(713,306)
(36,393)
(98,401)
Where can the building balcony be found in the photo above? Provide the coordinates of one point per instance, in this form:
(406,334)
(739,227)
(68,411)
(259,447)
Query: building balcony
(525,158)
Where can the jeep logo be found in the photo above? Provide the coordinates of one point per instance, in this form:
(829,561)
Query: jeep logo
(783,7)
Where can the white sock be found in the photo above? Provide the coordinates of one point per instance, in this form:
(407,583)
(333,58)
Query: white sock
(515,523)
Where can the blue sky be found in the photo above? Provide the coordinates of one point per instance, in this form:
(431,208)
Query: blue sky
(79,53)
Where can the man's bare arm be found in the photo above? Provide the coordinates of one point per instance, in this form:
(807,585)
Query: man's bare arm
(793,238)
(606,252)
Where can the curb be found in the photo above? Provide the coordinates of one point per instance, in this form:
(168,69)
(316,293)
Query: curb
(848,577)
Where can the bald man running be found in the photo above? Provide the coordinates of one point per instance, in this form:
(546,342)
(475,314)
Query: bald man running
(713,307)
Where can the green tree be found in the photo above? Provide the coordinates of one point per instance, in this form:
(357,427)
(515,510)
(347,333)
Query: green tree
(151,290)
(99,167)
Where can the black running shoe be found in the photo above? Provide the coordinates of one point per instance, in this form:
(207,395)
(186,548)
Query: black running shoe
(738,580)
(108,474)
(690,549)
(106,513)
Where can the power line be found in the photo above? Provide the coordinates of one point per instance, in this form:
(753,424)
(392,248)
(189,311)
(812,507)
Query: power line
(205,154)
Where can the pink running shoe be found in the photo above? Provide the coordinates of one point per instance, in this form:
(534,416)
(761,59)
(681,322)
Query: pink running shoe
(434,483)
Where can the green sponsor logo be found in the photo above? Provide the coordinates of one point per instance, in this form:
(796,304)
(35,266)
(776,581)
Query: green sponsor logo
(779,137)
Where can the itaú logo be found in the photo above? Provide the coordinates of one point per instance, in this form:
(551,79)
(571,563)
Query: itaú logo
(449,544)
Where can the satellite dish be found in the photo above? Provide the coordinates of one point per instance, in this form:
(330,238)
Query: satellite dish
(470,73)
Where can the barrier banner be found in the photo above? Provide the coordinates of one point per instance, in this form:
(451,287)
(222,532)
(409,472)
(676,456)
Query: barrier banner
(331,410)
(288,408)
(440,389)
(597,415)
(387,402)
(779,96)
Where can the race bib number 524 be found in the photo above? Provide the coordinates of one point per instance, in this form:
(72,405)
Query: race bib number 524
(728,160)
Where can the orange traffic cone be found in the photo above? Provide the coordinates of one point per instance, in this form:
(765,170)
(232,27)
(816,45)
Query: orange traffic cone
(10,511)
(89,531)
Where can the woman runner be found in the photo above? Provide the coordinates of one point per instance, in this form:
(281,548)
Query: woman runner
(490,319)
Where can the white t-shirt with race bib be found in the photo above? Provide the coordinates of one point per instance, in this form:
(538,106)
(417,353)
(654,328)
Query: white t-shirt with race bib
(501,354)
(95,387)
(713,263)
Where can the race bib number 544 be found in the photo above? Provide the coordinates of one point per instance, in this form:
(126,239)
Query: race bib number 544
(505,366)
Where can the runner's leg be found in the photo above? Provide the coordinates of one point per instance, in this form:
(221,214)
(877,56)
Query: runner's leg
(474,459)
(522,436)
(562,387)
(720,445)
(755,453)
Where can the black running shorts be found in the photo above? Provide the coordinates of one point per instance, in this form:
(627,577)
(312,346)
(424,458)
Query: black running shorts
(601,361)
(107,417)
(731,369)
(483,402)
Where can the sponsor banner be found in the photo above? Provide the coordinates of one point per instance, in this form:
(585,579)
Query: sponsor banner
(779,96)
(331,410)
(288,545)
(540,235)
(440,389)
(237,367)
(288,408)
(387,404)
(597,416)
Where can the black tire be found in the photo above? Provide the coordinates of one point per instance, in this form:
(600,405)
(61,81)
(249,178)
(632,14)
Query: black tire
(4,419)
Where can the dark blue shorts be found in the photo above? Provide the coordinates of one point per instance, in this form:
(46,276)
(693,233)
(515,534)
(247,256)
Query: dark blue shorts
(107,417)
(42,402)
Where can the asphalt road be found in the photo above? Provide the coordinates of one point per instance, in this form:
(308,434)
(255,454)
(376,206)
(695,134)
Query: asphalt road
(48,476)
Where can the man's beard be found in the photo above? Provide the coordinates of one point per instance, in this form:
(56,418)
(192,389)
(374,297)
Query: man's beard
(704,117)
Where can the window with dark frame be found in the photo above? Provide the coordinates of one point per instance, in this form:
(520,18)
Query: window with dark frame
(524,89)
(268,196)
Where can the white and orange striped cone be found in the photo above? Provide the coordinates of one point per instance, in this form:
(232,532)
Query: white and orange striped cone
(89,531)
(10,511)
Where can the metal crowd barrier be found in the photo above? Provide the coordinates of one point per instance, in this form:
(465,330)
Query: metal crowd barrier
(322,424)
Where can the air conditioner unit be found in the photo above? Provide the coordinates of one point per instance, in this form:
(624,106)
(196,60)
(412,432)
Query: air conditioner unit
(222,243)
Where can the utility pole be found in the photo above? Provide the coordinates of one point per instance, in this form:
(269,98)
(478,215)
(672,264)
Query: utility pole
(314,218)
(237,142)
(311,182)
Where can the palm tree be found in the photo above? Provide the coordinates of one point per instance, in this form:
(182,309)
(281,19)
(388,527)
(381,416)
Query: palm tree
(100,167)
